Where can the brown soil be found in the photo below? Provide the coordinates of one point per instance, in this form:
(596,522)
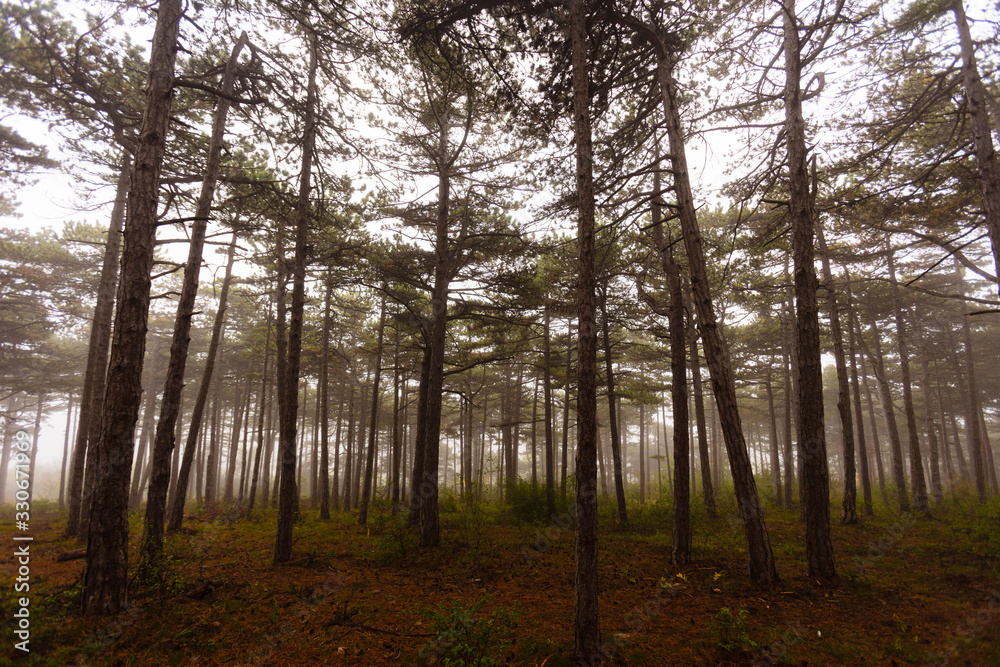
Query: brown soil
(909,592)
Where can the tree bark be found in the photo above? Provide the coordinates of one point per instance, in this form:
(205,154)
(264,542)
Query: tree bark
(889,412)
(373,424)
(586,625)
(919,484)
(153,550)
(616,447)
(812,437)
(982,135)
(105,579)
(866,481)
(288,494)
(850,513)
(88,426)
(156,503)
(550,462)
(761,559)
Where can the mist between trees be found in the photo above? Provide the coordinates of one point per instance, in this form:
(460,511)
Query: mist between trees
(369,255)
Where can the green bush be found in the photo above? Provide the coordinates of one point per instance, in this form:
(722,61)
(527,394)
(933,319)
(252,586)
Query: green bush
(732,631)
(465,638)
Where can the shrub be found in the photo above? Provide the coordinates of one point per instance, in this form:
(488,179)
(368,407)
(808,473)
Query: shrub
(463,637)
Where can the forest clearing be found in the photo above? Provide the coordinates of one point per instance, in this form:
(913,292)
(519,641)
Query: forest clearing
(500,332)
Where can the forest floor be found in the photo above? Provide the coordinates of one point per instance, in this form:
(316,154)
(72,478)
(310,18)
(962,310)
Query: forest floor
(910,591)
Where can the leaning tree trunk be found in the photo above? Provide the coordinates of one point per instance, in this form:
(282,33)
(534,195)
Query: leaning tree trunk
(920,503)
(287,495)
(850,513)
(982,135)
(761,559)
(373,424)
(105,579)
(812,436)
(194,428)
(163,445)
(586,625)
(88,423)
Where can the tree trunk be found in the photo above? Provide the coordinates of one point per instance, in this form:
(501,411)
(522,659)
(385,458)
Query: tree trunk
(972,406)
(430,529)
(373,424)
(932,441)
(699,416)
(148,426)
(616,448)
(565,428)
(550,459)
(775,448)
(264,408)
(397,443)
(418,492)
(288,494)
(889,412)
(105,579)
(850,513)
(65,458)
(761,559)
(153,550)
(34,446)
(163,445)
(920,503)
(88,426)
(241,411)
(681,531)
(815,483)
(986,156)
(586,625)
(324,405)
(866,481)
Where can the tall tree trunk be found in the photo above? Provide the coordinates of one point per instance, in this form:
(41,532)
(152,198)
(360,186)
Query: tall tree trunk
(982,135)
(263,410)
(34,446)
(876,446)
(616,448)
(972,406)
(708,492)
(152,551)
(850,513)
(889,412)
(397,442)
(418,491)
(866,481)
(430,529)
(932,441)
(148,426)
(788,394)
(565,428)
(775,447)
(681,531)
(586,625)
(550,459)
(65,458)
(761,559)
(917,479)
(105,578)
(812,437)
(88,427)
(324,407)
(373,424)
(288,494)
(156,501)
(240,411)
